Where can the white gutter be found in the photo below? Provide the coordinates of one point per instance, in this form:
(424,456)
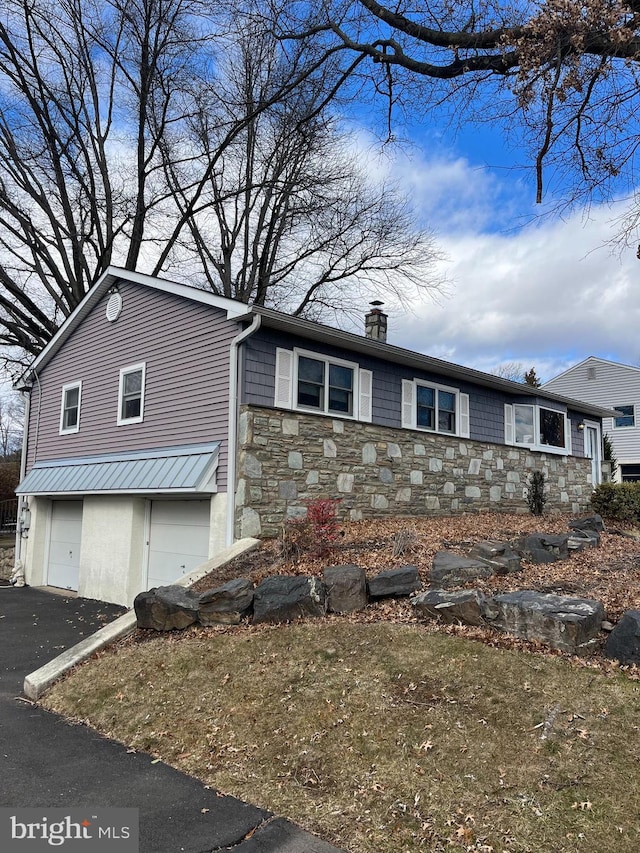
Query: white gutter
(232,432)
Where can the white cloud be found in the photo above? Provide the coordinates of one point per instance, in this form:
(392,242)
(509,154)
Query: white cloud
(547,294)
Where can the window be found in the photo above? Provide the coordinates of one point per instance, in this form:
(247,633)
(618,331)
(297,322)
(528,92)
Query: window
(308,381)
(629,473)
(325,385)
(435,408)
(131,394)
(626,417)
(70,408)
(536,427)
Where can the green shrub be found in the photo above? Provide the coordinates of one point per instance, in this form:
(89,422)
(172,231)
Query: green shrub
(618,501)
(536,498)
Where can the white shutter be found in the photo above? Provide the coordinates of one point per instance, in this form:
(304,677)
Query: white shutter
(567,432)
(464,415)
(365,386)
(284,379)
(408,404)
(509,426)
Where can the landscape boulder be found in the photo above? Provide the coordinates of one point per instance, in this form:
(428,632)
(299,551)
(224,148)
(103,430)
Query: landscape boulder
(569,624)
(226,604)
(449,569)
(590,522)
(466,606)
(346,588)
(395,582)
(578,540)
(623,643)
(499,556)
(165,608)
(285,599)
(543,547)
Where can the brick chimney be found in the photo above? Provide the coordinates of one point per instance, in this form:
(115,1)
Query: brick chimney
(375,323)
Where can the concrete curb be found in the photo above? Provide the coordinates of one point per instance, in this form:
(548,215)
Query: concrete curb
(37,682)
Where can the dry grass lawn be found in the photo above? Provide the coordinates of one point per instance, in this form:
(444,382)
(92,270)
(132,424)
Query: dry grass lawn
(381,734)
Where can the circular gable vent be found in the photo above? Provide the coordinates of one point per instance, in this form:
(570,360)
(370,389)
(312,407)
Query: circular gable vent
(114,306)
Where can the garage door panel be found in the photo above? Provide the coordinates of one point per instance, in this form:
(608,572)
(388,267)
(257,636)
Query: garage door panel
(181,513)
(63,568)
(191,540)
(178,539)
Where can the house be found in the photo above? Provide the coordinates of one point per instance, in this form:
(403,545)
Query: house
(164,421)
(617,386)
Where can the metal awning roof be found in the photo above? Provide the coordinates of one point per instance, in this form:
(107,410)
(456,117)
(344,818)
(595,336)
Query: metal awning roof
(186,468)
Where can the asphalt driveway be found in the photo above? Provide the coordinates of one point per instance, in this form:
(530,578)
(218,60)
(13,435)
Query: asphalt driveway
(46,762)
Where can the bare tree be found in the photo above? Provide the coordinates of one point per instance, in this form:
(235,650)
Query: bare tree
(87,90)
(120,143)
(11,424)
(570,68)
(289,217)
(512,370)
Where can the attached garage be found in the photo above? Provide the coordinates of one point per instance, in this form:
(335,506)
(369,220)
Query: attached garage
(110,526)
(178,539)
(63,558)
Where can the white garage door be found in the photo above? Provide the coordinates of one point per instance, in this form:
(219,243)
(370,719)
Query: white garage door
(178,539)
(64,544)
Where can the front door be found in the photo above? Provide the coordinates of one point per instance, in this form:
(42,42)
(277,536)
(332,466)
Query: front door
(593,449)
(64,544)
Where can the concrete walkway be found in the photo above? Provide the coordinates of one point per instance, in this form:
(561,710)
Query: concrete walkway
(44,761)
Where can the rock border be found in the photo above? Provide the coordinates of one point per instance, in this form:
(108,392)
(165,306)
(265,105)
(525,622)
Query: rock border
(562,622)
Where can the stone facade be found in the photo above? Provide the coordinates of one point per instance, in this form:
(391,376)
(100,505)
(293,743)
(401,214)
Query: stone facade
(287,458)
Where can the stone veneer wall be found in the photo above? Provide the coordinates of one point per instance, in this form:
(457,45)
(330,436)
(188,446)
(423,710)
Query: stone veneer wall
(287,458)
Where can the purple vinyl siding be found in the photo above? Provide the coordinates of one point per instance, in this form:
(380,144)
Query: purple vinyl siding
(486,405)
(185,346)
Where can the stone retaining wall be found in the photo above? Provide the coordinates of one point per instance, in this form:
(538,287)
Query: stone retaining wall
(287,458)
(7,561)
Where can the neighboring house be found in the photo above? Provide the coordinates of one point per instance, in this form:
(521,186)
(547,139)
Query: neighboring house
(164,421)
(616,386)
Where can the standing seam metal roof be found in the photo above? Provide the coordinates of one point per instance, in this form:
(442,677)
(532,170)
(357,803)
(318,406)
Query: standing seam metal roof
(184,468)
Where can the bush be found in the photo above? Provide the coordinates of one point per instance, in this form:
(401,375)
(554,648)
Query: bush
(316,534)
(536,498)
(618,501)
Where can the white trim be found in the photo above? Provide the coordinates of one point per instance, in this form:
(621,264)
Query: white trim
(328,360)
(619,407)
(125,371)
(509,425)
(65,388)
(465,423)
(600,454)
(283,398)
(435,386)
(535,444)
(365,395)
(408,404)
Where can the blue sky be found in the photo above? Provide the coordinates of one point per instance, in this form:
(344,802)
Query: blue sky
(525,285)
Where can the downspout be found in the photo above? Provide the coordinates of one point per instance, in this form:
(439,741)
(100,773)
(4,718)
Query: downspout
(232,432)
(23,472)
